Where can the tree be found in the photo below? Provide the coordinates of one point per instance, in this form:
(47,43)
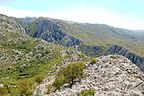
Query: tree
(72,72)
(69,74)
(59,81)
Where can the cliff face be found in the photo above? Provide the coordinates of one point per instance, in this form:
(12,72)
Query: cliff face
(115,49)
(138,60)
(91,51)
(111,75)
(50,31)
(9,24)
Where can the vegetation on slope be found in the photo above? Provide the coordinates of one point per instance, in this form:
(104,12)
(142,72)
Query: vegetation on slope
(104,35)
(88,34)
(24,60)
(87,92)
(48,30)
(69,74)
(23,57)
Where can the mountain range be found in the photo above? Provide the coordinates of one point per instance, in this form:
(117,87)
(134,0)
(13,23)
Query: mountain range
(32,49)
(92,39)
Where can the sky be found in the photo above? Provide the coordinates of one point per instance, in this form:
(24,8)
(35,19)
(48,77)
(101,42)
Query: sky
(128,14)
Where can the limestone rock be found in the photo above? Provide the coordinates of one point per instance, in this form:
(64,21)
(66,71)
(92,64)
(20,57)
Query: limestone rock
(111,75)
(119,50)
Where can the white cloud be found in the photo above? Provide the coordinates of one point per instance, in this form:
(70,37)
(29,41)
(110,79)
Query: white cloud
(84,15)
(19,13)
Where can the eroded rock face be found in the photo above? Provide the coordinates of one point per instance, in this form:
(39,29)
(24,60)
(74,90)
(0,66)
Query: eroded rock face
(111,75)
(9,24)
(119,50)
(50,31)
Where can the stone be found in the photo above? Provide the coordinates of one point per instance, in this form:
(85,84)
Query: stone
(115,79)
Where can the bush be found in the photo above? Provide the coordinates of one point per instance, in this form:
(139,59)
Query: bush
(25,87)
(38,79)
(93,60)
(3,91)
(69,74)
(59,81)
(50,88)
(87,92)
(73,71)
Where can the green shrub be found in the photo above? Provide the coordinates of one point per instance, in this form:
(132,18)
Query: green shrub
(93,60)
(3,92)
(50,88)
(87,92)
(25,87)
(59,81)
(39,79)
(73,71)
(69,74)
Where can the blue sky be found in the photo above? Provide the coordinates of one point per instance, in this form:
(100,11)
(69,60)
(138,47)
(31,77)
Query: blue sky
(120,13)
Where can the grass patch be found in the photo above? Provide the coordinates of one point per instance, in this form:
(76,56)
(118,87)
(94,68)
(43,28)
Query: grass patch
(87,92)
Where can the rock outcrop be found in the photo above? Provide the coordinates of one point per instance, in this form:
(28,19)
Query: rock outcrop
(9,24)
(111,75)
(119,50)
(50,31)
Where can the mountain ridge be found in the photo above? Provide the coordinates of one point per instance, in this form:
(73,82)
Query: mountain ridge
(58,31)
(102,35)
(33,52)
(110,75)
(27,60)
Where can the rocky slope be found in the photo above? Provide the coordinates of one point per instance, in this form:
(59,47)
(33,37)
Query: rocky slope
(58,31)
(47,29)
(138,60)
(9,24)
(65,33)
(24,59)
(72,33)
(111,75)
(114,49)
(104,35)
